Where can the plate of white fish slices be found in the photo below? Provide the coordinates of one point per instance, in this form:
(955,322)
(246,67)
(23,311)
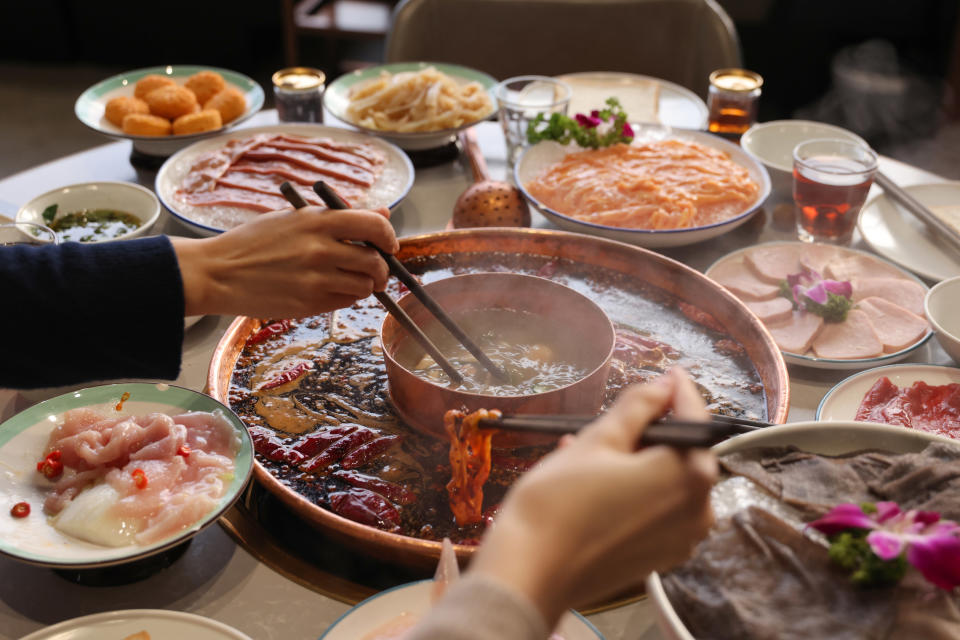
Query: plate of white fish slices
(139,624)
(111,474)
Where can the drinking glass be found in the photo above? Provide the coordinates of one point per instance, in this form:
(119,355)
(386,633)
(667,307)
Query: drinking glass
(831,179)
(26,233)
(520,100)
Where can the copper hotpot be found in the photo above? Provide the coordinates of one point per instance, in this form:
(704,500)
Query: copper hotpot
(422,403)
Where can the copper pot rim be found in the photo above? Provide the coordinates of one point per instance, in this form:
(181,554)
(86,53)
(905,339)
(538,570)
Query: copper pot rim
(602,364)
(323,518)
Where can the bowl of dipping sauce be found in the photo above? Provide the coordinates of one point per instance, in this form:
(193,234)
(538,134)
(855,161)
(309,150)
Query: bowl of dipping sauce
(94,211)
(554,344)
(942,307)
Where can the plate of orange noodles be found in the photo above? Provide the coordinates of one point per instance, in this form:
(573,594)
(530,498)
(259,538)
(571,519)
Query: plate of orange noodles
(667,188)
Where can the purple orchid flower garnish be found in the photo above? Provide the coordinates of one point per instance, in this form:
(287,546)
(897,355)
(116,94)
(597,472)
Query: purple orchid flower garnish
(809,284)
(590,121)
(627,130)
(932,545)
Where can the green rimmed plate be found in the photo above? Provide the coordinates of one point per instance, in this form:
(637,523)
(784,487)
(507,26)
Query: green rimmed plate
(336,99)
(24,436)
(91,104)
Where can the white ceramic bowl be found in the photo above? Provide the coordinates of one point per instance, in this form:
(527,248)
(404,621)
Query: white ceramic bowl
(535,159)
(120,196)
(159,623)
(942,306)
(826,438)
(772,143)
(91,104)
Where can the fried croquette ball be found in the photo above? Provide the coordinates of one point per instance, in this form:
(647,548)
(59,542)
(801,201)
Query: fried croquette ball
(206,120)
(230,103)
(146,84)
(119,107)
(205,85)
(171,102)
(144,124)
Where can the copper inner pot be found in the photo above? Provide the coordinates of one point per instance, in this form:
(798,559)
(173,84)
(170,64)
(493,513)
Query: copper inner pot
(587,331)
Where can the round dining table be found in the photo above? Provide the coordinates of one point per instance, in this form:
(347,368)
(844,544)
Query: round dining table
(219,578)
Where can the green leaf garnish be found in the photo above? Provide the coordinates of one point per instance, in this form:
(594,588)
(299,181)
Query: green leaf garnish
(600,129)
(851,551)
(49,214)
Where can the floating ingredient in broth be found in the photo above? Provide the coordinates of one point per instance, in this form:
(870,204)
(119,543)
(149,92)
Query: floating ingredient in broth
(667,184)
(137,479)
(91,225)
(931,408)
(534,354)
(470,461)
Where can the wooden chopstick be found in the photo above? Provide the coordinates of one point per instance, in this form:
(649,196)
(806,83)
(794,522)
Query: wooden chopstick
(332,200)
(902,197)
(669,432)
(391,306)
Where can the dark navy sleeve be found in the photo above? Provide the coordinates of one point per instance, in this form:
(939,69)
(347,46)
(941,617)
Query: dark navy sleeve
(82,312)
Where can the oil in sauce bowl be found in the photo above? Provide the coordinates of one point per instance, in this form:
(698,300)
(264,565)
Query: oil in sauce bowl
(95,225)
(521,343)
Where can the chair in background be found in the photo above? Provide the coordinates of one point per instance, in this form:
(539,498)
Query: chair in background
(677,40)
(336,21)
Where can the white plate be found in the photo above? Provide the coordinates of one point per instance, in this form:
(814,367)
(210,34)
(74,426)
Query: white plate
(535,159)
(390,188)
(91,104)
(828,363)
(676,106)
(843,400)
(159,623)
(415,598)
(336,99)
(899,236)
(23,437)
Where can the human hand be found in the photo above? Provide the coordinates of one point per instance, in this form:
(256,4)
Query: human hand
(597,515)
(287,263)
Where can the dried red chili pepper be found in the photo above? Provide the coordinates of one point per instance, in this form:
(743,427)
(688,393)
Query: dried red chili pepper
(184,451)
(273,329)
(139,478)
(51,467)
(20,510)
(123,398)
(289,375)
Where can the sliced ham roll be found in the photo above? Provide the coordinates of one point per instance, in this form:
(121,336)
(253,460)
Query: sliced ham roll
(858,266)
(900,291)
(773,264)
(735,276)
(851,339)
(773,311)
(896,327)
(817,256)
(798,333)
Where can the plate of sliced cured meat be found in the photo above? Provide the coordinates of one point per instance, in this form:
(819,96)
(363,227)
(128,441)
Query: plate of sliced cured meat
(925,397)
(828,307)
(222,182)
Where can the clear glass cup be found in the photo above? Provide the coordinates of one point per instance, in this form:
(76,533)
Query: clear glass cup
(26,233)
(520,100)
(831,179)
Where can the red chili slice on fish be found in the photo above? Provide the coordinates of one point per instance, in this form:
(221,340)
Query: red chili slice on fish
(20,510)
(184,451)
(50,466)
(139,478)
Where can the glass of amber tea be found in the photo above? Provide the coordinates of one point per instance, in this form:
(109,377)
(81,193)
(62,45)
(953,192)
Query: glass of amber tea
(831,179)
(732,101)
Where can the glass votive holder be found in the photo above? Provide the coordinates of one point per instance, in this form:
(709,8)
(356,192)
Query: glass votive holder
(521,100)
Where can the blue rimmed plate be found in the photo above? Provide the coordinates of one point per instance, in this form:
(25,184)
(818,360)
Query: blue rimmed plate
(829,363)
(24,436)
(91,104)
(542,155)
(843,400)
(413,600)
(336,99)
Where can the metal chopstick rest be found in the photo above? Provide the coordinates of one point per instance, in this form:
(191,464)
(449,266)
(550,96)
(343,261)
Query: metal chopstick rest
(391,306)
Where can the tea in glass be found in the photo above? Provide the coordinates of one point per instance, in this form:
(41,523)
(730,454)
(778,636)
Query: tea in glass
(831,179)
(732,101)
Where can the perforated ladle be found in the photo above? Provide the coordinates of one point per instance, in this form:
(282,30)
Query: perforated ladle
(487,203)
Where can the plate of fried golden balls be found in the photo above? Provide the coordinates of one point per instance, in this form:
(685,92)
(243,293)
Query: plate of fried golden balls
(163,109)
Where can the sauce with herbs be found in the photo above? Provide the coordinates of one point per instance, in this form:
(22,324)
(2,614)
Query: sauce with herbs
(94,225)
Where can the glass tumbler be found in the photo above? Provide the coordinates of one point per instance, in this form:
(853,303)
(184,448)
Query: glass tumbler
(520,100)
(831,179)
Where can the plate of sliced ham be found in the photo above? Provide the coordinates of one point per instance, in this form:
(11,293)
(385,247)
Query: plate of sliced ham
(111,474)
(828,307)
(220,183)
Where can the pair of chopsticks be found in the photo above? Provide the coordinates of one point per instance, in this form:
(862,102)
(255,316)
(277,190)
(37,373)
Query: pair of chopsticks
(333,201)
(902,197)
(682,434)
